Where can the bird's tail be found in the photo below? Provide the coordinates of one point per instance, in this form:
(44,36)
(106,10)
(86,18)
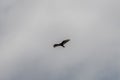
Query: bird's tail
(63,46)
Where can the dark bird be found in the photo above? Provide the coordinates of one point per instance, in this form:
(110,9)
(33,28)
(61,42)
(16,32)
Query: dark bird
(62,43)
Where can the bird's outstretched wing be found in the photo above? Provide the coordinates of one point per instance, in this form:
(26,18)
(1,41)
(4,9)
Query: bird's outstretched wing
(55,45)
(65,41)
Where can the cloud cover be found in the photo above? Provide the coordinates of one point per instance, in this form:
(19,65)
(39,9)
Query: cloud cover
(29,28)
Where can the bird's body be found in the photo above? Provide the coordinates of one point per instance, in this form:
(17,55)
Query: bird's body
(62,43)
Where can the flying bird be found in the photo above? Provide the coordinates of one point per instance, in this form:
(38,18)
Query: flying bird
(62,43)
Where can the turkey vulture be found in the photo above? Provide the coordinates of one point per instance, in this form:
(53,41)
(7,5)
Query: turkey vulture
(62,43)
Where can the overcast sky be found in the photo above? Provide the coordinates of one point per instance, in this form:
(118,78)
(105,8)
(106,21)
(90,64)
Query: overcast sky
(29,28)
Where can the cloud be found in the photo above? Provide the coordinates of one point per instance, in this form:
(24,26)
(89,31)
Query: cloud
(30,28)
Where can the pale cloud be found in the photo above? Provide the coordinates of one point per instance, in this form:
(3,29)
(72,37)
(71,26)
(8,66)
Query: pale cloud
(29,28)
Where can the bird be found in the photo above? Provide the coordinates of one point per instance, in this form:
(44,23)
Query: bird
(62,43)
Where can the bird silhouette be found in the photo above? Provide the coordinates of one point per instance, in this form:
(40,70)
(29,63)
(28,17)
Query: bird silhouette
(62,43)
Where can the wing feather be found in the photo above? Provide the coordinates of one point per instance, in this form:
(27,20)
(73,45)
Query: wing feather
(55,45)
(65,41)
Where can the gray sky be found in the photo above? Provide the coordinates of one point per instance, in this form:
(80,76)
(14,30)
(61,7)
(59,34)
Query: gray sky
(29,28)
